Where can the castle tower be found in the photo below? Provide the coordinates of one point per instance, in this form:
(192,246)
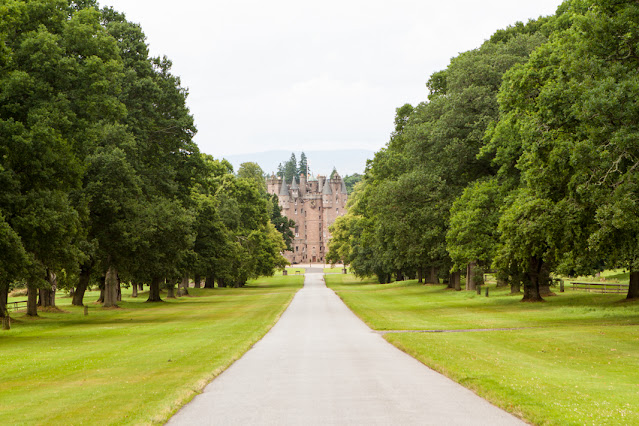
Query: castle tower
(313,204)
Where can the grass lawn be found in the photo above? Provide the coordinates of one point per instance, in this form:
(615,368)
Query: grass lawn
(573,360)
(293,271)
(334,270)
(133,365)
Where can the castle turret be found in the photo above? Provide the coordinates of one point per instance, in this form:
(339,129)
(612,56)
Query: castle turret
(295,189)
(343,188)
(302,184)
(284,190)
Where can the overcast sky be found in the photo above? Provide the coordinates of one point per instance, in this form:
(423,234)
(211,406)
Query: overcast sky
(311,75)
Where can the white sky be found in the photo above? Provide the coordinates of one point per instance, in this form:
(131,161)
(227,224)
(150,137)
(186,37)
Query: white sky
(301,75)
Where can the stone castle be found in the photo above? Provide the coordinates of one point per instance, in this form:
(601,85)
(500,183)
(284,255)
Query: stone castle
(313,204)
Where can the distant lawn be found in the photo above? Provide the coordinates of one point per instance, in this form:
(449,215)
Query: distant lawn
(292,271)
(134,365)
(334,270)
(578,364)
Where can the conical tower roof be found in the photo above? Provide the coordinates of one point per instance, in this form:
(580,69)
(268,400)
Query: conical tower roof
(284,189)
(343,188)
(326,190)
(294,184)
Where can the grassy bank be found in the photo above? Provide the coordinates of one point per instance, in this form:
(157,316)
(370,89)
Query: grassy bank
(571,360)
(133,365)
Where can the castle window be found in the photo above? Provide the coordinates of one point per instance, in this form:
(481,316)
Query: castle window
(337,211)
(297,248)
(295,211)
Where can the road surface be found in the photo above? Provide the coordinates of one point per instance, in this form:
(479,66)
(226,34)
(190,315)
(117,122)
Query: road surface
(321,365)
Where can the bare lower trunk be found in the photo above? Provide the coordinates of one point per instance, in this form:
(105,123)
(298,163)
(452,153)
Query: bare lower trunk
(32,300)
(531,281)
(184,286)
(134,290)
(456,277)
(633,287)
(101,287)
(111,287)
(419,276)
(515,285)
(141,286)
(119,290)
(170,289)
(197,280)
(221,282)
(432,277)
(4,297)
(209,282)
(470,276)
(154,290)
(53,282)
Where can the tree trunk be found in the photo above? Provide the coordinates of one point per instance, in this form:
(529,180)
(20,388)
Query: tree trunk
(633,287)
(170,289)
(432,278)
(101,286)
(456,277)
(419,276)
(515,285)
(4,297)
(134,290)
(32,300)
(209,282)
(531,281)
(119,290)
(53,281)
(184,286)
(470,276)
(197,279)
(111,287)
(141,286)
(544,281)
(154,290)
(221,282)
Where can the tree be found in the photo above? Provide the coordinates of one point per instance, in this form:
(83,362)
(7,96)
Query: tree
(290,169)
(569,124)
(252,171)
(302,168)
(282,224)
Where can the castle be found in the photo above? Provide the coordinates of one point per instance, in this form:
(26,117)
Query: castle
(313,204)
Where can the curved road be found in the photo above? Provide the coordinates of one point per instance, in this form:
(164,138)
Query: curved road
(321,365)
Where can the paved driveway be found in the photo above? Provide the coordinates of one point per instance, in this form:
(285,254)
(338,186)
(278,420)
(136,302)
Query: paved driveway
(321,365)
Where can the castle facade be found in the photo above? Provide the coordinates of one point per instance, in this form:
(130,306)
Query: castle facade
(313,204)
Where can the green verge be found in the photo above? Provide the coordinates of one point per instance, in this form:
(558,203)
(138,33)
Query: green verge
(571,360)
(134,365)
(333,270)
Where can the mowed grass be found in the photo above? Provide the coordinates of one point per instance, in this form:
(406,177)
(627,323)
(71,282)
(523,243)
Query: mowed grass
(133,365)
(335,270)
(571,360)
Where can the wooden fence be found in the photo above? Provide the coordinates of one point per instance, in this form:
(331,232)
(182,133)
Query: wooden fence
(20,304)
(600,287)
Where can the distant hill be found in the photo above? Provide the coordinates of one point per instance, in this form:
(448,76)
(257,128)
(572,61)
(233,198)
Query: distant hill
(346,161)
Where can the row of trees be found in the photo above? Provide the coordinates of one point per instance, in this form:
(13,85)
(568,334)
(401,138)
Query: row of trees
(101,180)
(523,160)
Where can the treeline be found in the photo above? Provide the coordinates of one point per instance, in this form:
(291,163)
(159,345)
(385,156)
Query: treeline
(101,180)
(523,160)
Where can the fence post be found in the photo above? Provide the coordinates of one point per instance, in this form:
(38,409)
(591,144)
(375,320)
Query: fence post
(486,291)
